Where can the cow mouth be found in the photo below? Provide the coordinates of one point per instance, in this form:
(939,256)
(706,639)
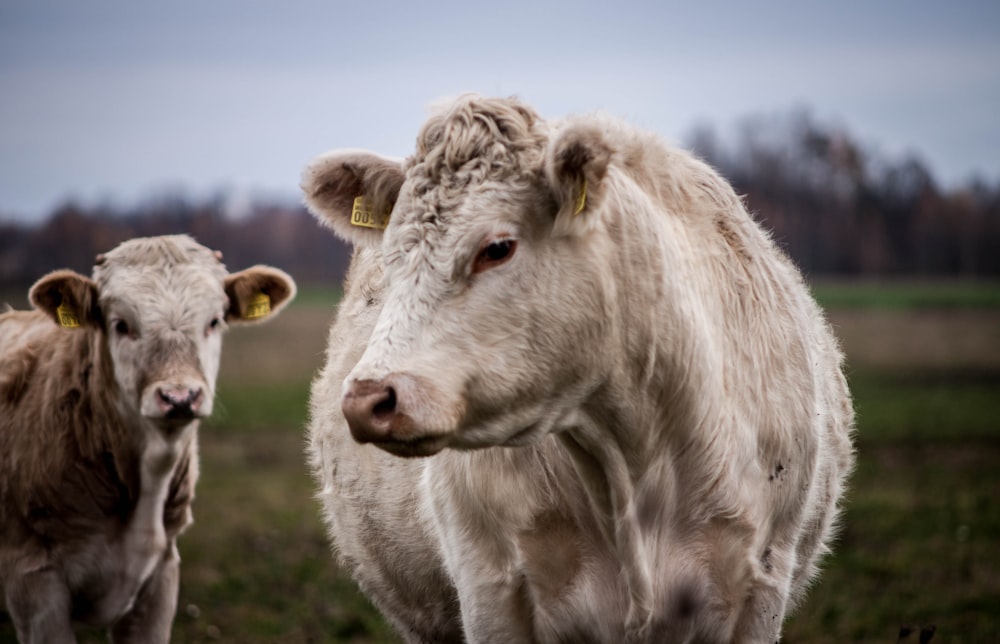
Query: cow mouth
(173,422)
(415,447)
(174,419)
(181,415)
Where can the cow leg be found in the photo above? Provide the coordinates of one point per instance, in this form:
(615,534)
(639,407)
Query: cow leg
(493,596)
(40,605)
(152,615)
(495,612)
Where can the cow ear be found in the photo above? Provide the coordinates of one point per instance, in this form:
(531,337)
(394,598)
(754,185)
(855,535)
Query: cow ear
(353,192)
(69,298)
(257,293)
(576,163)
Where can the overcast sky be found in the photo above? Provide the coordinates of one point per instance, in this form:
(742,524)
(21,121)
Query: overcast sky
(113,100)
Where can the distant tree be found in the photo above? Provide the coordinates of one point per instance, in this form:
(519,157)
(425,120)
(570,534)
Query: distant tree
(278,234)
(839,208)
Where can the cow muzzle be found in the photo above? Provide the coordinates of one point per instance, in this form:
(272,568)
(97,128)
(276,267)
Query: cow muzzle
(180,402)
(176,403)
(400,413)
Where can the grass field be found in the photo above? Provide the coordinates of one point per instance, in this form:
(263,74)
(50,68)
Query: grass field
(920,544)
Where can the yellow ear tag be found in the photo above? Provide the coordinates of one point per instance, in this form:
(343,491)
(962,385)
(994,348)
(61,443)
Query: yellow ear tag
(362,215)
(581,201)
(67,317)
(258,307)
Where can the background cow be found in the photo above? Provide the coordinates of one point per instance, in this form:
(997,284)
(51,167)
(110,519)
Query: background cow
(98,431)
(603,303)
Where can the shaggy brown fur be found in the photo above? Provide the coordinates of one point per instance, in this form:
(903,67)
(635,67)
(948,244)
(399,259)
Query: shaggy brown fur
(66,457)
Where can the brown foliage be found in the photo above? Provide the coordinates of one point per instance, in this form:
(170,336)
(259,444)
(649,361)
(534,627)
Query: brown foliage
(837,207)
(840,209)
(271,234)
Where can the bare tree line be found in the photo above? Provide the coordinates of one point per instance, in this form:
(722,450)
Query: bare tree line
(841,209)
(838,208)
(278,234)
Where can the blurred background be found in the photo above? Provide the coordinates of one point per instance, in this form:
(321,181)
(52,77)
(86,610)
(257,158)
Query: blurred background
(864,135)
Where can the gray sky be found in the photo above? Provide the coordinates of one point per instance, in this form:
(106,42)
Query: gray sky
(119,99)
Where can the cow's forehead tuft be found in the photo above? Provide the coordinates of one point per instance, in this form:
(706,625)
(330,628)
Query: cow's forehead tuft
(165,253)
(475,139)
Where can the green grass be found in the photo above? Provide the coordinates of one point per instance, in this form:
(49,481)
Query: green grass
(926,407)
(258,407)
(317,295)
(908,295)
(920,543)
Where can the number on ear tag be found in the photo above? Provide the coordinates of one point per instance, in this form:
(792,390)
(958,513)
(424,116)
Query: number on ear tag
(68,318)
(362,215)
(258,307)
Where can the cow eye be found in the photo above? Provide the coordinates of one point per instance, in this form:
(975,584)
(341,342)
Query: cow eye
(214,325)
(494,254)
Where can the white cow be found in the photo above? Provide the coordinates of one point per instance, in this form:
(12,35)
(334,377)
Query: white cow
(633,415)
(98,432)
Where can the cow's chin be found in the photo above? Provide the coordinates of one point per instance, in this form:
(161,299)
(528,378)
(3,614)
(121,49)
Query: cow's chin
(171,424)
(414,447)
(173,421)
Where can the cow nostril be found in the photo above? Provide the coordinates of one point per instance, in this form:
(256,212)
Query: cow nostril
(195,397)
(385,407)
(371,408)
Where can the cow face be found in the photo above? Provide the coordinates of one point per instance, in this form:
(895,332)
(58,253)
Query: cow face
(161,306)
(495,307)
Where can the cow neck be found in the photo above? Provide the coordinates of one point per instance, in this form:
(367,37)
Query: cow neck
(623,429)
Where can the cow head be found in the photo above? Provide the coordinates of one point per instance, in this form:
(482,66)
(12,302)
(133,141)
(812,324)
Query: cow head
(160,306)
(495,293)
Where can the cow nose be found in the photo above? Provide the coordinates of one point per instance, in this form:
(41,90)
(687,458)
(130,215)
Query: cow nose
(180,402)
(370,409)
